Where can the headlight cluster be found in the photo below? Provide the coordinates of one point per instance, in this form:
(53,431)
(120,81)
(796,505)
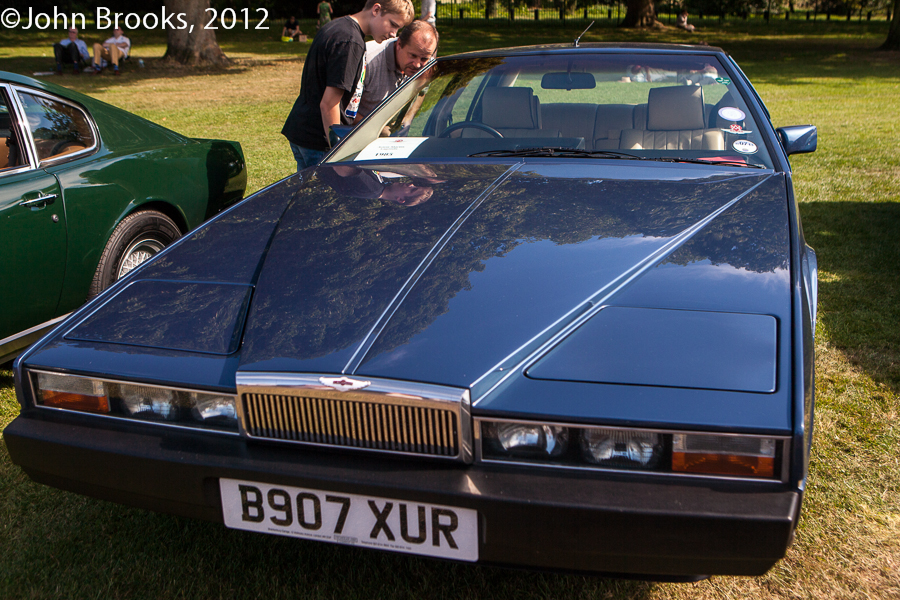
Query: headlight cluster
(631,449)
(135,401)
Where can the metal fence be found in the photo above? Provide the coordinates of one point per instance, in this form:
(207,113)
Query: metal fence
(459,12)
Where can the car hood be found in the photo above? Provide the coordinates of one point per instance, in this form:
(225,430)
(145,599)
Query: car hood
(464,274)
(493,260)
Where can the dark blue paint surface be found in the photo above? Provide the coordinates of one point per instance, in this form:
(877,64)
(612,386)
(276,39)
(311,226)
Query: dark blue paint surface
(449,273)
(549,240)
(172,315)
(669,348)
(339,256)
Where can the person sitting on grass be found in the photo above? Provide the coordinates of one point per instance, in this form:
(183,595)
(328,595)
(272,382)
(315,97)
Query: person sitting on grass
(291,30)
(71,51)
(681,21)
(112,51)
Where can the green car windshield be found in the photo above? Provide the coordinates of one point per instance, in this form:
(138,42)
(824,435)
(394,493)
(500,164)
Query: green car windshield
(584,105)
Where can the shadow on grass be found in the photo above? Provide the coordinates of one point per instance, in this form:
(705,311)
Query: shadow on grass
(61,541)
(88,83)
(29,52)
(791,62)
(859,283)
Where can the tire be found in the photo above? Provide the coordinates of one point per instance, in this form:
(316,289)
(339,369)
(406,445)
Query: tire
(137,238)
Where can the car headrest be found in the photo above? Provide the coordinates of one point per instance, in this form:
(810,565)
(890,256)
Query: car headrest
(510,108)
(717,121)
(675,108)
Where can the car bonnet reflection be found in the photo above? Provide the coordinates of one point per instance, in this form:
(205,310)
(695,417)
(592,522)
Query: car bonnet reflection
(341,252)
(543,244)
(540,244)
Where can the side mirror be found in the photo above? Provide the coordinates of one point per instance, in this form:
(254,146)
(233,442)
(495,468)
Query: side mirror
(798,139)
(339,132)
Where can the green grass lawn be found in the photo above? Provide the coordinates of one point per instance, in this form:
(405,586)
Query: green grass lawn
(59,545)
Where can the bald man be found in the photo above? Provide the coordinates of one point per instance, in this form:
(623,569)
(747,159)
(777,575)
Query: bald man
(391,62)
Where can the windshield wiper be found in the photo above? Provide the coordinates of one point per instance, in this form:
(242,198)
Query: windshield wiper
(558,151)
(575,153)
(700,161)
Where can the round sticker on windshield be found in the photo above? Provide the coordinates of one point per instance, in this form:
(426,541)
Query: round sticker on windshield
(745,147)
(730,113)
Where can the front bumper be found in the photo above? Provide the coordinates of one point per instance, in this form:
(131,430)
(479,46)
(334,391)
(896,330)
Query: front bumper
(659,527)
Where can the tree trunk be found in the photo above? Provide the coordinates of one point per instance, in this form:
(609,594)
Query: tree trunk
(641,13)
(893,39)
(194,45)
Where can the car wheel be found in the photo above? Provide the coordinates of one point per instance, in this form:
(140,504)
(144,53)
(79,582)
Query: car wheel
(137,238)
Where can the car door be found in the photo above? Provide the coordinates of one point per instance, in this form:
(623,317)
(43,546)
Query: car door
(32,228)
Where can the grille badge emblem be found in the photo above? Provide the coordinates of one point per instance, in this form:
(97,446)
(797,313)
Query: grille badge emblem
(344,384)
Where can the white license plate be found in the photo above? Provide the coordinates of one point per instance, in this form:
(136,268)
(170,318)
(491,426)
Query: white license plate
(380,523)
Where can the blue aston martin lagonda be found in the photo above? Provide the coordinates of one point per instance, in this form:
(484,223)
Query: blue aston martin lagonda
(546,307)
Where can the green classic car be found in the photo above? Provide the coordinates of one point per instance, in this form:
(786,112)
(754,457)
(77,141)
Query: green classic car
(88,192)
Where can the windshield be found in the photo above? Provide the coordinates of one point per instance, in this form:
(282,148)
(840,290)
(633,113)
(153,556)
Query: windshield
(648,106)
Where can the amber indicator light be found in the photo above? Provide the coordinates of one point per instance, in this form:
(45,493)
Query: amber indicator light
(73,401)
(723,464)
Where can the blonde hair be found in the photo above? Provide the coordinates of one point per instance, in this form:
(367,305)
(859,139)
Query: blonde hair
(403,8)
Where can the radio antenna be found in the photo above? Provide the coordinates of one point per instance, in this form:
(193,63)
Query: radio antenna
(578,39)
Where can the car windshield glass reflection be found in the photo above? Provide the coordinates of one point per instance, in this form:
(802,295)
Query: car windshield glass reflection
(650,106)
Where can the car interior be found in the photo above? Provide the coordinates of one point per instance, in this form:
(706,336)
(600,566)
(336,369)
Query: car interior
(673,118)
(58,129)
(645,106)
(10,154)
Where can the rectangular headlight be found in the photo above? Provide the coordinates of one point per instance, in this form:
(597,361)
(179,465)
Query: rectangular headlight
(621,448)
(525,439)
(143,402)
(630,449)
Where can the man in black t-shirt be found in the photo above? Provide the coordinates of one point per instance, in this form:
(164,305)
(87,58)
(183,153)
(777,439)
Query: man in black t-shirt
(331,84)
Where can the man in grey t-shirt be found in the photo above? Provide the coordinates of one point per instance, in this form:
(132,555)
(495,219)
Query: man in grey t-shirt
(389,63)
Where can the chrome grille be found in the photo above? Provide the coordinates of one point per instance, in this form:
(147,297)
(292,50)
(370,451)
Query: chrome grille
(387,416)
(356,424)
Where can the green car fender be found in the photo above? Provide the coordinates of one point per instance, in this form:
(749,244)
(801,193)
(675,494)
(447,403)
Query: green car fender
(106,189)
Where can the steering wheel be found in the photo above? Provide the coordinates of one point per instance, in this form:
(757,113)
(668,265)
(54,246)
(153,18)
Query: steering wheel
(470,125)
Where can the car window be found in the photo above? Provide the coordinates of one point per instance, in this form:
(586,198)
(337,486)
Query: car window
(58,128)
(640,80)
(11,155)
(653,106)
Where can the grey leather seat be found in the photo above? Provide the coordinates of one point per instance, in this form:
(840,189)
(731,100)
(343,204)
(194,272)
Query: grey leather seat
(513,111)
(676,120)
